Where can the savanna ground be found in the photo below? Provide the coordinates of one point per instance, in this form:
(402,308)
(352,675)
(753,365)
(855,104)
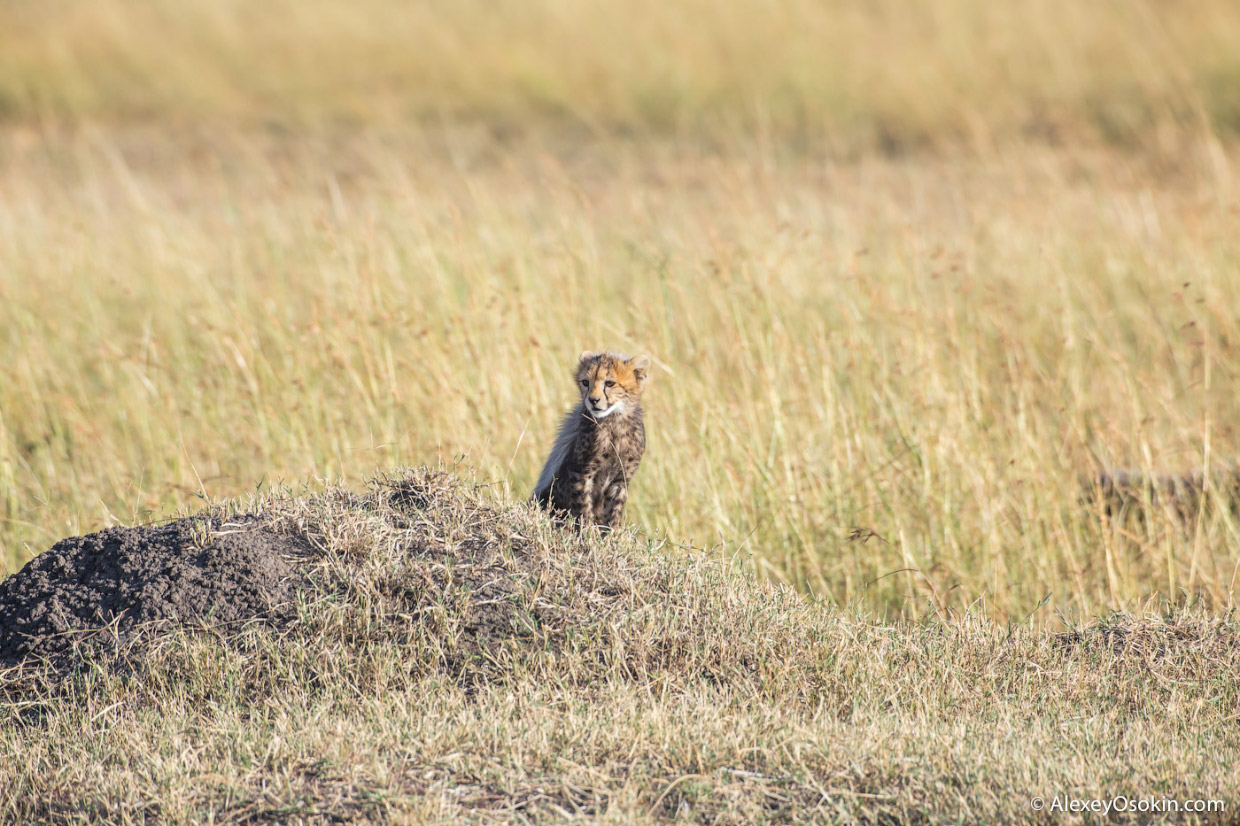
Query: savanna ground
(907,277)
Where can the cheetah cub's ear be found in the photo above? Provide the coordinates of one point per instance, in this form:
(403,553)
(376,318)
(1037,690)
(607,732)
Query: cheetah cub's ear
(641,368)
(585,356)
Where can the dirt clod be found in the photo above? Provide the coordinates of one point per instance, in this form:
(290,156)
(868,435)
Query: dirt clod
(188,571)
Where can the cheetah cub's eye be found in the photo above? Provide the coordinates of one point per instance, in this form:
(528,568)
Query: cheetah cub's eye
(611,383)
(585,382)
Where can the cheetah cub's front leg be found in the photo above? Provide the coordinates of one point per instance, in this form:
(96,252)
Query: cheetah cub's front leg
(611,514)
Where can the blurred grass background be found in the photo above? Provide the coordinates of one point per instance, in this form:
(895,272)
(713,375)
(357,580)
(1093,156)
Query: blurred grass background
(861,74)
(907,273)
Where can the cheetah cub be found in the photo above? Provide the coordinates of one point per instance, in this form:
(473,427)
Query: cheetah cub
(600,444)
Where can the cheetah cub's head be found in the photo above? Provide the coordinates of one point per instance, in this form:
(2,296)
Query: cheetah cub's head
(610,382)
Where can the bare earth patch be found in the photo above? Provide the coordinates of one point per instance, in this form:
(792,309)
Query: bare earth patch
(114,586)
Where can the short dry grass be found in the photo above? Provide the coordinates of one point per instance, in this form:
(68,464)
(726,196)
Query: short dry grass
(460,660)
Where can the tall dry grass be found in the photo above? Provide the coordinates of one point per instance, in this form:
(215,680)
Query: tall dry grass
(898,304)
(880,381)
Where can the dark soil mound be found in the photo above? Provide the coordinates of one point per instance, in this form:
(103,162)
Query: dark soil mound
(191,571)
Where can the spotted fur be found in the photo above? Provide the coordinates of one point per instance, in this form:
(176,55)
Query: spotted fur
(600,442)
